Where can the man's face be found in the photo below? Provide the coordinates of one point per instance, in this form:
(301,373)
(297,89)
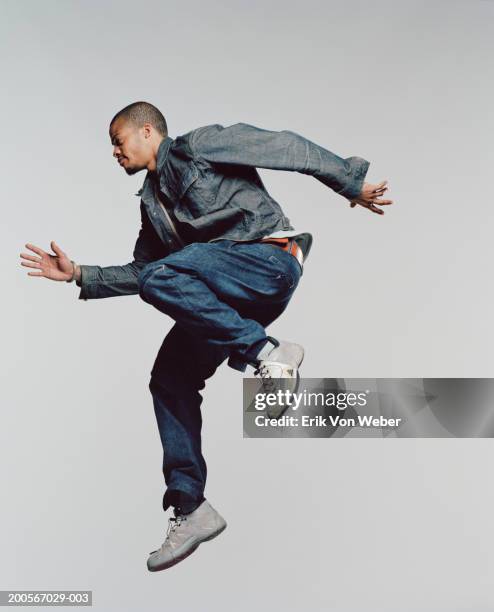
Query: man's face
(130,146)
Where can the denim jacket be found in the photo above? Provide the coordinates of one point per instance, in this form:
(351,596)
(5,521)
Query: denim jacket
(208,180)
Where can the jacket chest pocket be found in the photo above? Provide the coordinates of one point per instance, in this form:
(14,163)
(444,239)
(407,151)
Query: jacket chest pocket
(196,193)
(205,187)
(182,181)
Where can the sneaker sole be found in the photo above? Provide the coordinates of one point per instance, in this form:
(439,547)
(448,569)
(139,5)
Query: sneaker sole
(184,555)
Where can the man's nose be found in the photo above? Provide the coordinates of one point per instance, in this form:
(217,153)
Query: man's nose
(116,151)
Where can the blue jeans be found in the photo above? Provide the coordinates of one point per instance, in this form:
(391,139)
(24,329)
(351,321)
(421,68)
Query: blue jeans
(222,295)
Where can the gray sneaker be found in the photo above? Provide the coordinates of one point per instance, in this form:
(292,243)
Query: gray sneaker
(185,533)
(278,364)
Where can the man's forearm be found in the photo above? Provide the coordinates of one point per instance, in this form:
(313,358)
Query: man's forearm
(100,282)
(109,281)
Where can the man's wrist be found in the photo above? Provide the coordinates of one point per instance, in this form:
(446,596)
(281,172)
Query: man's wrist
(76,273)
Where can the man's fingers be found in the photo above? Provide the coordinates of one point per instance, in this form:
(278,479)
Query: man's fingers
(369,205)
(28,264)
(56,249)
(35,249)
(30,257)
(376,210)
(35,273)
(373,202)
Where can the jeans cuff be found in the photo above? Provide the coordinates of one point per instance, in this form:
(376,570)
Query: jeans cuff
(182,502)
(240,362)
(237,363)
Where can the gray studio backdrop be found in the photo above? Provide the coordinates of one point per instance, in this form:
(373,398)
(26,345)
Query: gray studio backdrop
(349,525)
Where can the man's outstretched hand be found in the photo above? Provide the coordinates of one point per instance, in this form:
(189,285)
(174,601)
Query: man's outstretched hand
(369,197)
(56,267)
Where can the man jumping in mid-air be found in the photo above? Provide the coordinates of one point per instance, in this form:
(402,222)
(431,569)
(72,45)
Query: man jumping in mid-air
(216,253)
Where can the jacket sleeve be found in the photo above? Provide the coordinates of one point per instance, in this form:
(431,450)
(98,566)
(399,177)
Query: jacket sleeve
(248,145)
(101,282)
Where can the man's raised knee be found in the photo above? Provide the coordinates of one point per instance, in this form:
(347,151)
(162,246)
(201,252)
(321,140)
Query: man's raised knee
(144,275)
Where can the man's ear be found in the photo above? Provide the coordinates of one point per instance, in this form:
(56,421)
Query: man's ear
(148,130)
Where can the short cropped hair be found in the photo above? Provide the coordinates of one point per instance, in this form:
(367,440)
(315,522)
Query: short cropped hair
(140,113)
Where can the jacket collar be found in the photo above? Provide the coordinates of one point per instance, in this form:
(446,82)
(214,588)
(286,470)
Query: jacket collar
(163,153)
(146,190)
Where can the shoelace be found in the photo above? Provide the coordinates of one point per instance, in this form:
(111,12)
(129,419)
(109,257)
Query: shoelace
(173,523)
(267,380)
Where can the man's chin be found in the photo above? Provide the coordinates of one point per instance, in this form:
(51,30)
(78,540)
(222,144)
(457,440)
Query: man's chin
(131,171)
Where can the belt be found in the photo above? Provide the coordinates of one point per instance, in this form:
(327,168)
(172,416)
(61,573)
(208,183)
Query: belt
(289,245)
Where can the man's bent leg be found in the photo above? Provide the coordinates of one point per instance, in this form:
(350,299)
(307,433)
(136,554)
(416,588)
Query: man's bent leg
(204,287)
(179,373)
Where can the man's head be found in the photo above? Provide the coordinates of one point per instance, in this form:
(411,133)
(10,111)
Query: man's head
(136,132)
